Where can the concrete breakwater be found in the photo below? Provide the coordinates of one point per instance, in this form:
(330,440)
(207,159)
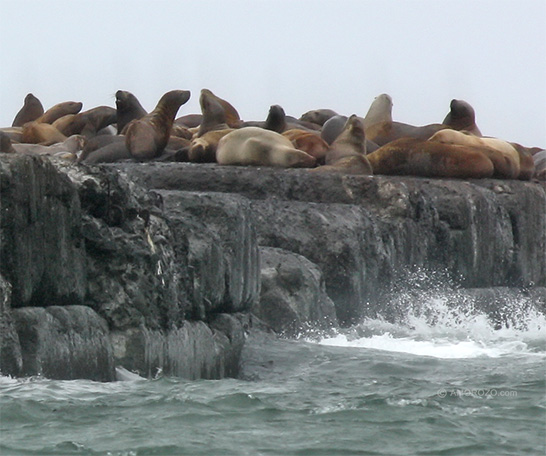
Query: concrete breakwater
(162,267)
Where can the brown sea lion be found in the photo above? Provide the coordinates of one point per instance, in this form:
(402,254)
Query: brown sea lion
(32,109)
(110,153)
(462,117)
(60,110)
(203,148)
(147,137)
(526,162)
(232,116)
(309,142)
(5,144)
(318,116)
(259,147)
(353,164)
(416,157)
(278,121)
(71,145)
(511,166)
(214,114)
(181,132)
(189,120)
(127,108)
(540,165)
(333,127)
(87,123)
(41,133)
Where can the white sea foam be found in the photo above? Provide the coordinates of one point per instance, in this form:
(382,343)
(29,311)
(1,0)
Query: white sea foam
(437,328)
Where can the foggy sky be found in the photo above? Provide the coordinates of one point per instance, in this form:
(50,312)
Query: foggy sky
(300,54)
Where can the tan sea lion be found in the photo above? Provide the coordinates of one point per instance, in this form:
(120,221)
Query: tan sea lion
(540,165)
(462,117)
(259,147)
(32,109)
(128,108)
(5,144)
(232,116)
(60,110)
(203,148)
(181,132)
(71,145)
(511,171)
(308,141)
(41,133)
(416,157)
(214,114)
(526,162)
(381,129)
(147,137)
(318,116)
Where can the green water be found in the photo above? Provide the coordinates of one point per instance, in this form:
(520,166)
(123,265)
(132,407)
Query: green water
(336,397)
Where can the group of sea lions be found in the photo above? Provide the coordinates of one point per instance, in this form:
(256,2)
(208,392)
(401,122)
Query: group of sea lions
(320,139)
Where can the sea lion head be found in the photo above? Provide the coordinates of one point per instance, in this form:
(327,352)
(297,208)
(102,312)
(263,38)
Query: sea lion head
(276,119)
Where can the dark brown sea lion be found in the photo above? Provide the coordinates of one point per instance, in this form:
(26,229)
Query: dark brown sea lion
(214,114)
(41,133)
(232,116)
(110,153)
(462,117)
(87,123)
(32,109)
(203,148)
(60,110)
(98,142)
(127,108)
(278,121)
(147,137)
(5,144)
(526,162)
(309,142)
(189,120)
(318,116)
(256,146)
(416,157)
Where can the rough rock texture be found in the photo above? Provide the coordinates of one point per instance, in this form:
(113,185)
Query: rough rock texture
(11,361)
(64,343)
(362,231)
(293,295)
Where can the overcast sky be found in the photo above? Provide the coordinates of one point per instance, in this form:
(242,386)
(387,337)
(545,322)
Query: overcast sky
(300,54)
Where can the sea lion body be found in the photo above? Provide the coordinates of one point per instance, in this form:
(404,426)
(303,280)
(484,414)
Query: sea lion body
(189,120)
(462,117)
(380,110)
(416,157)
(32,109)
(231,115)
(41,133)
(214,114)
(110,153)
(14,133)
(309,142)
(352,164)
(259,147)
(385,132)
(128,108)
(60,110)
(318,116)
(71,145)
(526,162)
(87,123)
(511,155)
(203,148)
(147,137)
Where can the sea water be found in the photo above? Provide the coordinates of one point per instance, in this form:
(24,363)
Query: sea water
(438,382)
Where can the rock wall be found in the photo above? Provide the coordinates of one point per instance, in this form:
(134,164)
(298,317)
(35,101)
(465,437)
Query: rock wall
(161,267)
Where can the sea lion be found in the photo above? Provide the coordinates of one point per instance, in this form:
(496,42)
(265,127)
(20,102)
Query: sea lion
(333,127)
(41,133)
(5,144)
(181,132)
(32,109)
(353,164)
(71,145)
(526,162)
(511,168)
(540,165)
(381,129)
(417,157)
(259,147)
(110,153)
(309,142)
(214,115)
(189,120)
(462,117)
(60,110)
(203,148)
(232,116)
(127,108)
(87,123)
(278,121)
(14,133)
(147,137)
(318,116)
